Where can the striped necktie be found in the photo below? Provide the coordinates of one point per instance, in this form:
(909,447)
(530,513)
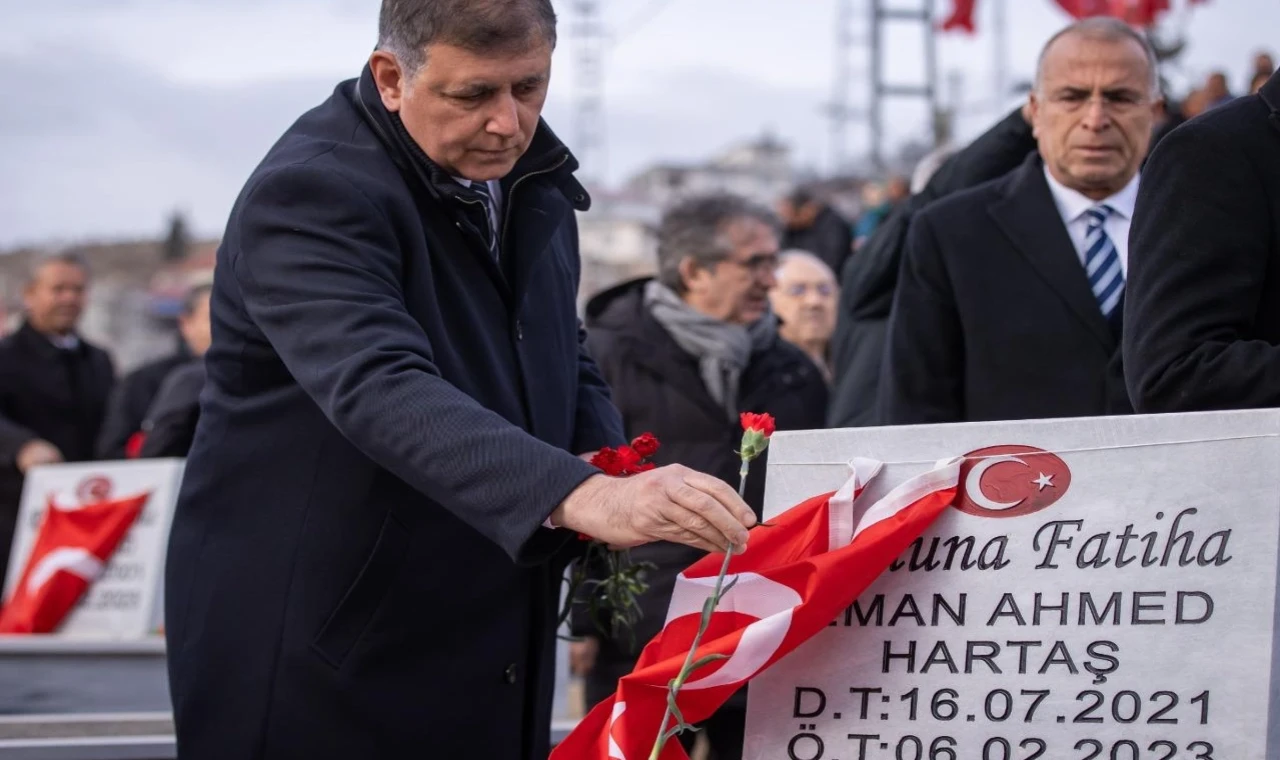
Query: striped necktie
(1102,261)
(482,190)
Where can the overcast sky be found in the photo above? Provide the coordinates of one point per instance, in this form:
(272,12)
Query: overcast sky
(115,112)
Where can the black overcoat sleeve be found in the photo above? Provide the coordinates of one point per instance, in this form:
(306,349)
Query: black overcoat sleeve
(12,435)
(923,371)
(1198,256)
(319,269)
(598,422)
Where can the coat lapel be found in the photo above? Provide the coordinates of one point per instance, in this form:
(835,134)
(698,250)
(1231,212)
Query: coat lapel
(1271,96)
(1029,218)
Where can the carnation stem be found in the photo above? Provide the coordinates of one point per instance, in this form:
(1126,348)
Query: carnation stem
(685,670)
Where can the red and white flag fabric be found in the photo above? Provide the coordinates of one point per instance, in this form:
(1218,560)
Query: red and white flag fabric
(75,541)
(793,579)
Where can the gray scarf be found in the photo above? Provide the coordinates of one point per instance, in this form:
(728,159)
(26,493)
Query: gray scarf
(722,349)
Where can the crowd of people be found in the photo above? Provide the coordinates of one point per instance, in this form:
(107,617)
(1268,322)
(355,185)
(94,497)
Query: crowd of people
(1054,267)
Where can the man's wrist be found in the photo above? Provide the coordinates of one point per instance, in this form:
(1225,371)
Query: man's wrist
(568,513)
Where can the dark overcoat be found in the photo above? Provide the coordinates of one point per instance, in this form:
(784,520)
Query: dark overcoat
(50,394)
(357,566)
(1203,295)
(993,318)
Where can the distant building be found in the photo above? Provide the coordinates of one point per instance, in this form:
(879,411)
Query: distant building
(760,170)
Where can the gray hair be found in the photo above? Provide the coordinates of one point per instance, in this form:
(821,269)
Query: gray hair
(40,261)
(1105,29)
(694,229)
(407,27)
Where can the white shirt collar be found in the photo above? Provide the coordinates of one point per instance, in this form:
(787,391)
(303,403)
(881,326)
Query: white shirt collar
(68,342)
(1072,203)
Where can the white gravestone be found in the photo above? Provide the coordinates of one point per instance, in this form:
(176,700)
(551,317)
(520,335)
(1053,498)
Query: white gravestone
(1107,593)
(126,601)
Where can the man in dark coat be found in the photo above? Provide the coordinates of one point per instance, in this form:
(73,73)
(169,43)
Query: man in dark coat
(813,225)
(386,480)
(53,385)
(1203,309)
(870,279)
(685,354)
(135,393)
(1011,294)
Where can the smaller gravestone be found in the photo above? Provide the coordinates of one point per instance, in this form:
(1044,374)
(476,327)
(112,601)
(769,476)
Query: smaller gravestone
(126,601)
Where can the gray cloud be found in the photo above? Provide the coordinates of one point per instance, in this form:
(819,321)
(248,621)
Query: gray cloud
(92,145)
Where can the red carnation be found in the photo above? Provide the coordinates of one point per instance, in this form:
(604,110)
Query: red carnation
(646,445)
(756,429)
(761,423)
(608,461)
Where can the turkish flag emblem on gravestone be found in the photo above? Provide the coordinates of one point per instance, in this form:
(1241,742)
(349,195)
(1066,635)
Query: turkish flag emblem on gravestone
(76,539)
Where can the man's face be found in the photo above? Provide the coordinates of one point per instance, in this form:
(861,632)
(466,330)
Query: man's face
(195,327)
(473,114)
(54,299)
(1093,113)
(804,298)
(736,288)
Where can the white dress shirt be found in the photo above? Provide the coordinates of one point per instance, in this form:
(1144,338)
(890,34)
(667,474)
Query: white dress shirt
(1072,205)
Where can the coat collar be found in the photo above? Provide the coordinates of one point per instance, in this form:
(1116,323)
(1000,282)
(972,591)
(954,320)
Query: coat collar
(1028,216)
(546,154)
(1270,94)
(41,345)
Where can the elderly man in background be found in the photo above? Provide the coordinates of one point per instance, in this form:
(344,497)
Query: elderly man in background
(1011,298)
(685,354)
(53,385)
(804,299)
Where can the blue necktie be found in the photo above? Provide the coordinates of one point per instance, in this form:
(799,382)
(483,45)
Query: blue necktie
(1102,262)
(482,189)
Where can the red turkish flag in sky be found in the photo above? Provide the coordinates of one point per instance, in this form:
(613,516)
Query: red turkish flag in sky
(71,550)
(793,579)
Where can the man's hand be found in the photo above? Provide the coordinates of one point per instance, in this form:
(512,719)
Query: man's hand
(35,453)
(582,655)
(670,503)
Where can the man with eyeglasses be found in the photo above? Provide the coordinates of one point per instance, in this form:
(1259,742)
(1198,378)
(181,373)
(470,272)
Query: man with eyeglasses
(684,353)
(1011,296)
(804,298)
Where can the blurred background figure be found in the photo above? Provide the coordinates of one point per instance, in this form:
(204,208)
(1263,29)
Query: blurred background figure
(811,224)
(122,429)
(1215,90)
(53,384)
(878,202)
(804,299)
(684,354)
(870,279)
(1263,67)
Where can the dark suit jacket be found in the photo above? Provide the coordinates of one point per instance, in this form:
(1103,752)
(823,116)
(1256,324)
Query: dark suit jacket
(357,566)
(129,402)
(994,318)
(49,394)
(870,279)
(1203,301)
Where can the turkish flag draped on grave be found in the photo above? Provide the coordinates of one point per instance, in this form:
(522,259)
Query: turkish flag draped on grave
(71,550)
(795,576)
